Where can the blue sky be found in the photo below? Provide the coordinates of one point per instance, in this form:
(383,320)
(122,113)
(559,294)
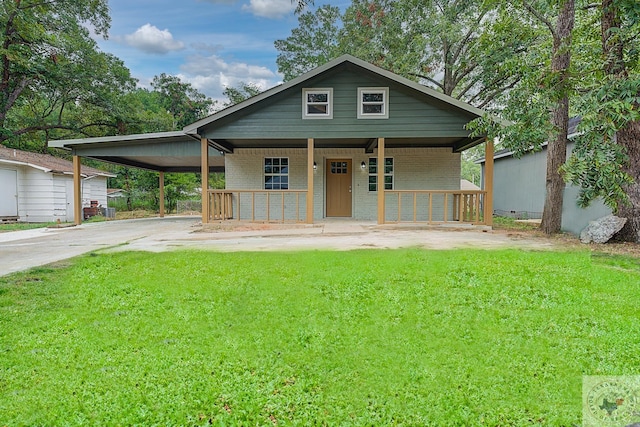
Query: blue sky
(208,43)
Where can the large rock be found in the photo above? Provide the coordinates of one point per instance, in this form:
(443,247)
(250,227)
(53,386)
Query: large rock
(602,230)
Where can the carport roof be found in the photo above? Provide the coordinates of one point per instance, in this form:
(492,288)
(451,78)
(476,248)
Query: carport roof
(163,151)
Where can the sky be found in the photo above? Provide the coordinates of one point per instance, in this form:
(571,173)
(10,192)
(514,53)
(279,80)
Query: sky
(211,44)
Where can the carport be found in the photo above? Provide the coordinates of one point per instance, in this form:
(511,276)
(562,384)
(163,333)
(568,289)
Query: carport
(160,152)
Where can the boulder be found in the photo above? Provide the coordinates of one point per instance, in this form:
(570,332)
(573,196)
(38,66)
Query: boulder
(602,230)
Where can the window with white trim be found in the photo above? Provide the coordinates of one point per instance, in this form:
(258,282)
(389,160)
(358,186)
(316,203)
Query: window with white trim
(373,102)
(317,103)
(276,173)
(373,173)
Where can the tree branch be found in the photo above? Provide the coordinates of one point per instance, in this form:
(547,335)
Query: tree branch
(467,36)
(429,79)
(540,17)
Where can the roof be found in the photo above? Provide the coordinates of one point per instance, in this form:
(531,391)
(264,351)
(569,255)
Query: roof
(45,162)
(193,129)
(161,151)
(505,152)
(179,151)
(468,185)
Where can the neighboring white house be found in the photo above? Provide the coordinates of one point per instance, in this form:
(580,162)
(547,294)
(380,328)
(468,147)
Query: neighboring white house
(38,187)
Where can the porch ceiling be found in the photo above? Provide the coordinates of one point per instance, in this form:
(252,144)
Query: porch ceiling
(367,144)
(167,151)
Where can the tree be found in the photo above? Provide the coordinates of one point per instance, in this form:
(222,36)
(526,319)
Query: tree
(182,100)
(606,160)
(314,42)
(236,95)
(559,86)
(465,49)
(52,72)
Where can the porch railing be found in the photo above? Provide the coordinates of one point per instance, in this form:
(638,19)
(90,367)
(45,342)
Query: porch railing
(258,205)
(434,206)
(411,206)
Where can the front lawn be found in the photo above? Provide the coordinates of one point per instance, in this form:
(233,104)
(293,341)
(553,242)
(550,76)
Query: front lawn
(372,337)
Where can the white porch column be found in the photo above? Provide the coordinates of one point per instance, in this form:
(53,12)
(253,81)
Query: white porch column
(204,174)
(310,148)
(77,191)
(488,182)
(161,186)
(380,180)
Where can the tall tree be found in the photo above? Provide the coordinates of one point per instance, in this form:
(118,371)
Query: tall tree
(559,86)
(314,42)
(181,99)
(466,49)
(615,43)
(49,65)
(538,106)
(606,160)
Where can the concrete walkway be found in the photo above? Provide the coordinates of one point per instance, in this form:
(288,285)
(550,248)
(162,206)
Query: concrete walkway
(21,250)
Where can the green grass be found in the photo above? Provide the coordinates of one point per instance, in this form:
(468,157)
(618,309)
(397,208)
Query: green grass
(402,337)
(503,222)
(16,226)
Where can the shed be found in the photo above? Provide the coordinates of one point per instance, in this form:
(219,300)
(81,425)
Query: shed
(520,188)
(37,187)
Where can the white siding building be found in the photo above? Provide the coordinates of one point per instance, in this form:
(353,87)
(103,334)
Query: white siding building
(38,187)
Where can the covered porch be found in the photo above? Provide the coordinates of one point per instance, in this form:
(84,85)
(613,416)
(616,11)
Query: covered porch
(412,202)
(179,152)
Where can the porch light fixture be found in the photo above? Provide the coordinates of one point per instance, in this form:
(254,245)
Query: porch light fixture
(363,165)
(315,166)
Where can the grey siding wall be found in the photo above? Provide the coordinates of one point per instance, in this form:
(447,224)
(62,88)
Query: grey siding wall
(281,117)
(414,169)
(519,185)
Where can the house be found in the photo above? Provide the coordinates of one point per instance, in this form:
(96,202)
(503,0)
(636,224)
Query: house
(38,187)
(520,188)
(347,140)
(116,193)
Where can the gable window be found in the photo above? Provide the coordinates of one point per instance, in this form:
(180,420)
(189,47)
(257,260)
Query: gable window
(373,102)
(373,173)
(276,173)
(317,103)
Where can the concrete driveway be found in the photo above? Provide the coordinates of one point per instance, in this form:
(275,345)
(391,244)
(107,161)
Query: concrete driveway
(21,250)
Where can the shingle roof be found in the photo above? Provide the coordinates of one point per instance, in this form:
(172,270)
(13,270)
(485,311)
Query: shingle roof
(45,162)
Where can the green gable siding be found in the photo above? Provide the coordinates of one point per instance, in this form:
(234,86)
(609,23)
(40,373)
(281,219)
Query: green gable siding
(280,117)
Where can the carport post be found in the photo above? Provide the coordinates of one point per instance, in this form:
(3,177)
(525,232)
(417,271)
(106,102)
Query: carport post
(310,149)
(77,191)
(380,180)
(204,172)
(161,185)
(488,182)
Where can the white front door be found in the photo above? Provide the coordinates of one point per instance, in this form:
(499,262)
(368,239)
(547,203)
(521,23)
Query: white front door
(8,192)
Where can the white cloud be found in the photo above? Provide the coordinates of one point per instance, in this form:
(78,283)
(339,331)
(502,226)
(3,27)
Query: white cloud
(150,39)
(270,8)
(212,74)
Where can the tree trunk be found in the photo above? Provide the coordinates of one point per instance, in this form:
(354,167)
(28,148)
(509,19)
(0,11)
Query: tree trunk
(628,137)
(557,146)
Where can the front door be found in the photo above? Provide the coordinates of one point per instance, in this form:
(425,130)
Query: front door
(339,187)
(8,192)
